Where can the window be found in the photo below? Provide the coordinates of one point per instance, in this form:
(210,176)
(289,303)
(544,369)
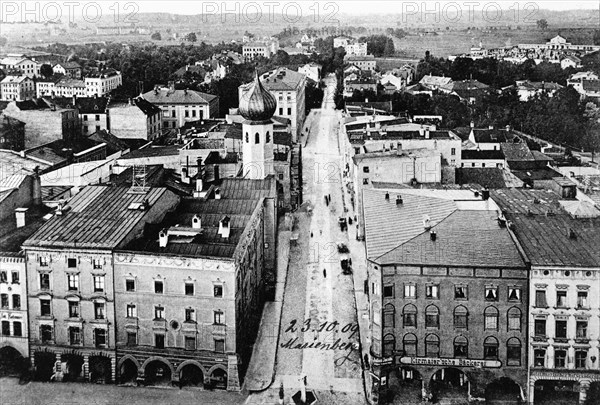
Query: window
(366,169)
(513,352)
(514,319)
(85,117)
(460,292)
(514,294)
(365,181)
(190,343)
(247,138)
(15,277)
(218,291)
(5,328)
(432,291)
(560,329)
(539,327)
(388,291)
(218,317)
(131,338)
(131,311)
(74,335)
(409,316)
(389,316)
(410,291)
(461,317)
(44,261)
(560,358)
(432,346)
(3,277)
(100,337)
(45,308)
(453,151)
(193,113)
(289,111)
(256,138)
(491,318)
(389,345)
(99,310)
(580,359)
(540,299)
(187,113)
(98,283)
(173,115)
(71,263)
(73,282)
(159,340)
(158,287)
(189,289)
(190,315)
(409,342)
(581,329)
(73,309)
(491,293)
(129,285)
(97,117)
(490,348)
(280,110)
(461,347)
(432,317)
(582,301)
(561,299)
(97,264)
(219,345)
(268,137)
(4,301)
(46,333)
(159,312)
(17,329)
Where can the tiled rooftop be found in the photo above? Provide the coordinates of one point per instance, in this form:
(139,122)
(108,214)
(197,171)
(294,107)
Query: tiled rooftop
(168,96)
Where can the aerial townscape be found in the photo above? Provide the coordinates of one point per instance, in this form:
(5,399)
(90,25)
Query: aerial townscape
(381,210)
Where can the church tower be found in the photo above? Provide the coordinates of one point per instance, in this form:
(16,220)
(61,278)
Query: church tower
(257,106)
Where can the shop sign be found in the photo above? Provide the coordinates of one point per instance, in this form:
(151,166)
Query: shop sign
(432,361)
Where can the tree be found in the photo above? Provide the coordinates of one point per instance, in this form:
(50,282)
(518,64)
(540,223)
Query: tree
(542,24)
(156,36)
(191,37)
(597,37)
(281,58)
(389,49)
(46,70)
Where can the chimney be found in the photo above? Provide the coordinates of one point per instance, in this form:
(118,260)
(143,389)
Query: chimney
(472,124)
(427,133)
(74,100)
(399,200)
(491,127)
(224,227)
(366,99)
(184,176)
(187,68)
(36,191)
(432,235)
(508,128)
(163,238)
(387,196)
(485,194)
(501,220)
(21,216)
(571,234)
(426,222)
(196,223)
(95,95)
(130,101)
(421,131)
(172,86)
(217,193)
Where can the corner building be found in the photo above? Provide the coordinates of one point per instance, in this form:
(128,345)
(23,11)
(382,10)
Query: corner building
(447,298)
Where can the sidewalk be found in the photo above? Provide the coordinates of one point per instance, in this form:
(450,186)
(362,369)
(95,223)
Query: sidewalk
(261,370)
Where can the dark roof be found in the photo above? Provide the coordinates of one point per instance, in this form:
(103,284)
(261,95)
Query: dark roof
(516,152)
(523,201)
(69,65)
(462,132)
(54,193)
(146,107)
(97,217)
(154,176)
(463,238)
(60,150)
(215,157)
(152,151)
(12,238)
(168,96)
(545,173)
(482,154)
(490,177)
(378,105)
(493,135)
(113,143)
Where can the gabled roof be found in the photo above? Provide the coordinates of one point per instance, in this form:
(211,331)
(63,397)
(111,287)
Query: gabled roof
(474,154)
(281,79)
(516,152)
(69,65)
(493,135)
(85,105)
(167,96)
(98,217)
(14,79)
(215,157)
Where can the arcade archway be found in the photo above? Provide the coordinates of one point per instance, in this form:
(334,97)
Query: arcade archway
(218,379)
(191,375)
(503,391)
(405,384)
(100,369)
(72,367)
(158,373)
(556,392)
(449,385)
(44,365)
(128,372)
(11,362)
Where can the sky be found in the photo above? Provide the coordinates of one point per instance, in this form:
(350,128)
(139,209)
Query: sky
(356,7)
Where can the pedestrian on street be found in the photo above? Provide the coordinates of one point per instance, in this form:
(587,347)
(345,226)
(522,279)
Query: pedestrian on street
(324,273)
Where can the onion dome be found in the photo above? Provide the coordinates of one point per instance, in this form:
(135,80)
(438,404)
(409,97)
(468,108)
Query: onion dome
(257,104)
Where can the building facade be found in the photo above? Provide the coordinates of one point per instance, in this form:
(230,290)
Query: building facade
(17,88)
(137,119)
(102,83)
(20,65)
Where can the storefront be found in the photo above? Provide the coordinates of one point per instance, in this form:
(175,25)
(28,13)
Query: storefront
(569,386)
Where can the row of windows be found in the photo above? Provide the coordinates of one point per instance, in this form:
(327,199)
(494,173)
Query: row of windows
(17,329)
(73,282)
(561,299)
(16,301)
(257,138)
(74,309)
(560,328)
(159,288)
(96,117)
(460,346)
(461,292)
(44,261)
(460,317)
(99,335)
(190,342)
(561,359)
(15,279)
(189,314)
